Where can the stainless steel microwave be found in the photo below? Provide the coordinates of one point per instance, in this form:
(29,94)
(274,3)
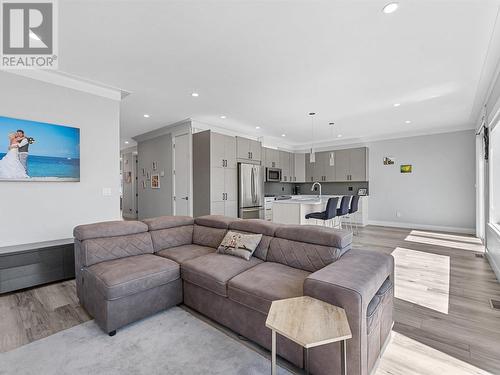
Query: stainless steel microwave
(273,174)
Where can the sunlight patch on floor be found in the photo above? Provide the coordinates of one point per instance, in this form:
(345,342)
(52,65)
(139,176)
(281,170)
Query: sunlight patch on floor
(446,236)
(422,278)
(438,239)
(405,356)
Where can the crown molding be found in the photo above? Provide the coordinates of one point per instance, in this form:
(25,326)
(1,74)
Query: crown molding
(59,78)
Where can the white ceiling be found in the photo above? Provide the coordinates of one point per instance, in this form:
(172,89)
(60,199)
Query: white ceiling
(269,63)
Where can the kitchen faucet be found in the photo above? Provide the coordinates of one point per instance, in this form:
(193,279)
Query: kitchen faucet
(312,189)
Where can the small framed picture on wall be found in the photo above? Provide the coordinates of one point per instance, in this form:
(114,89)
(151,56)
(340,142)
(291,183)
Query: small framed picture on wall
(155,165)
(155,181)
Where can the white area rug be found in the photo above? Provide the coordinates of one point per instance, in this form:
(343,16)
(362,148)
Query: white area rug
(171,342)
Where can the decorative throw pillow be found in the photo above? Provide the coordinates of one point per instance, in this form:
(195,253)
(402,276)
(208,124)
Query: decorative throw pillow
(239,244)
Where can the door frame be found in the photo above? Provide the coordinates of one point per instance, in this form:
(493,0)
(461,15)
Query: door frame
(180,133)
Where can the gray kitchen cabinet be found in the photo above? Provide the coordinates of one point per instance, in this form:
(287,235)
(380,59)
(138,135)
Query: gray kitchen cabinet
(330,169)
(299,167)
(320,166)
(285,166)
(215,174)
(351,164)
(310,169)
(248,149)
(359,164)
(342,168)
(292,167)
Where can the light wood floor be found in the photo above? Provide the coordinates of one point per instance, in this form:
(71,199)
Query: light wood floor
(443,321)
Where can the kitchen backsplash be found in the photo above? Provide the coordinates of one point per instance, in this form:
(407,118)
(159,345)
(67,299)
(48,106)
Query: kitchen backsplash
(277,188)
(327,188)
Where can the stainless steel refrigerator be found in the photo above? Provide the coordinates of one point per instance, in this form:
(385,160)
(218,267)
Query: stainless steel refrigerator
(250,191)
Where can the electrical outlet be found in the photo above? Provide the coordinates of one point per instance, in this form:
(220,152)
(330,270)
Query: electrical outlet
(398,214)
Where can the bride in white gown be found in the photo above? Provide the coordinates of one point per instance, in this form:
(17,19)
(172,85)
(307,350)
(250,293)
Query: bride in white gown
(10,166)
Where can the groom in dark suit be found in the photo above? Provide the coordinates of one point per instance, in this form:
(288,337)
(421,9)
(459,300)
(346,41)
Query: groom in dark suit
(23,149)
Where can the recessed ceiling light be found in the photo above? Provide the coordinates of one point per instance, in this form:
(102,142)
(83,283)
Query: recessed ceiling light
(339,136)
(126,142)
(257,127)
(408,122)
(283,135)
(397,104)
(195,94)
(223,117)
(390,8)
(146,115)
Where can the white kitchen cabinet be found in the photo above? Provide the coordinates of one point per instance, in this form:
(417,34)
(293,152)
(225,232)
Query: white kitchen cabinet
(270,158)
(215,174)
(248,149)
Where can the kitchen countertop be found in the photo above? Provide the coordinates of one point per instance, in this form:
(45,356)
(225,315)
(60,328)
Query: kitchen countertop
(307,199)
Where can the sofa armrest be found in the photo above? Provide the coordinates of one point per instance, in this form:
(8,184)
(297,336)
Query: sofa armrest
(351,283)
(359,271)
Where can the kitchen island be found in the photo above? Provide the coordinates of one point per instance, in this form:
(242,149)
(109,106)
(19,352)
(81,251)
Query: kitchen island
(294,210)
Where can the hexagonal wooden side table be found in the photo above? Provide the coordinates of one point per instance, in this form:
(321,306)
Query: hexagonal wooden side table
(309,322)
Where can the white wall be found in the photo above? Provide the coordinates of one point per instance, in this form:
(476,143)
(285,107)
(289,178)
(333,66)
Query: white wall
(47,211)
(439,194)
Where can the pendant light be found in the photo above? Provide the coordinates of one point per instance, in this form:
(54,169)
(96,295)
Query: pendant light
(332,154)
(312,153)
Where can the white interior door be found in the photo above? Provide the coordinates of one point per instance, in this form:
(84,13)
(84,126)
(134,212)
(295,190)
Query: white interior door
(182,183)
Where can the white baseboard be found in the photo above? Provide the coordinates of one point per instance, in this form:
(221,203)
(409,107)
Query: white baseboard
(493,265)
(438,228)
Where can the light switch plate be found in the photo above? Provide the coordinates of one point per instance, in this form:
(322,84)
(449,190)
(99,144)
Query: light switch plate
(106,192)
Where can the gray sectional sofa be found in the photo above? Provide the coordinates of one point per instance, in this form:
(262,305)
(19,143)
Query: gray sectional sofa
(128,270)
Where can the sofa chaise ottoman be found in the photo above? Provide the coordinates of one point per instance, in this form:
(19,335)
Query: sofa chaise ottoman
(128,270)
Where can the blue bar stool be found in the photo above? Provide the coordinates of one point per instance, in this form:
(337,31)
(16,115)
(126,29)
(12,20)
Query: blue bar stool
(328,214)
(343,210)
(352,210)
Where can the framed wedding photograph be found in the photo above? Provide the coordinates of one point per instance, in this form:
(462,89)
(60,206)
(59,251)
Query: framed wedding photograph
(38,151)
(155,181)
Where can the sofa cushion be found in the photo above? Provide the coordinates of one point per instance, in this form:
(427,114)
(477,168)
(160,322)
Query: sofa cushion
(126,276)
(183,253)
(315,234)
(264,283)
(165,222)
(98,250)
(306,256)
(171,237)
(215,221)
(108,229)
(239,244)
(266,228)
(213,271)
(254,226)
(208,236)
